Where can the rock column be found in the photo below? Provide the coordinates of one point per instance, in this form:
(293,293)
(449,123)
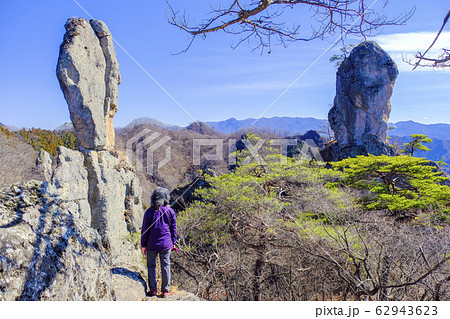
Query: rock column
(360,114)
(88,73)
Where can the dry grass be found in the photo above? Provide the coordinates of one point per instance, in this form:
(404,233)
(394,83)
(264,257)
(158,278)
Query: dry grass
(17,161)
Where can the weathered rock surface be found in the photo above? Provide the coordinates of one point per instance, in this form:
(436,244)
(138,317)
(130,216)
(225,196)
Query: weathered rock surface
(69,184)
(44,165)
(75,235)
(88,73)
(46,253)
(115,200)
(364,85)
(112,76)
(182,196)
(52,249)
(372,145)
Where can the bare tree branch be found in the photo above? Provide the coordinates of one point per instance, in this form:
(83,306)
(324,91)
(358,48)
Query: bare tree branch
(258,22)
(440,61)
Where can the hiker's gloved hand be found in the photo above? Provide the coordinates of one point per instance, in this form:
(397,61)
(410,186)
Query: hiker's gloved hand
(175,249)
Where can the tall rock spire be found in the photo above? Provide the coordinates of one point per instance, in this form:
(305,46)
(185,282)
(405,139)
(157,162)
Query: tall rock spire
(88,73)
(360,114)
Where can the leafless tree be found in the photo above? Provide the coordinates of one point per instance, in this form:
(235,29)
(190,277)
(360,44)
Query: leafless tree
(443,60)
(262,23)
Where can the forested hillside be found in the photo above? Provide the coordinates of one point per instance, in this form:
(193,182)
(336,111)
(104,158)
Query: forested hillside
(372,227)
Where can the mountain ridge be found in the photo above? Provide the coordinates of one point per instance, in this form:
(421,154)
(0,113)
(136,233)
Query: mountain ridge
(437,130)
(293,125)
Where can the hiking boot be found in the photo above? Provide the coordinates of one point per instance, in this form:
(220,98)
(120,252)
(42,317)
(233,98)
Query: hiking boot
(153,293)
(164,294)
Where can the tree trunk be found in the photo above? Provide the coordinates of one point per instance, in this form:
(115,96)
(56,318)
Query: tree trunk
(259,266)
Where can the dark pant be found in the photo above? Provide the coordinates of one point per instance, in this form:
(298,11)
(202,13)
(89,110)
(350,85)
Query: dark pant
(164,258)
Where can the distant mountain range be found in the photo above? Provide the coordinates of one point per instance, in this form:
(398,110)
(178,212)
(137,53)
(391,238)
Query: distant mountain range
(292,125)
(406,128)
(295,125)
(439,133)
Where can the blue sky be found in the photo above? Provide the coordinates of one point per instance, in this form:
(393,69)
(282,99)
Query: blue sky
(211,81)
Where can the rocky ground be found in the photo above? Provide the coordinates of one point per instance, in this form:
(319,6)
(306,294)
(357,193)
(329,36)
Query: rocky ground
(174,296)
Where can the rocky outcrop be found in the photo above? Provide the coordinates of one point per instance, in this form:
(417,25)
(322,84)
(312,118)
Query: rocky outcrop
(88,73)
(115,201)
(44,165)
(112,77)
(52,245)
(360,114)
(75,235)
(69,185)
(94,184)
(46,252)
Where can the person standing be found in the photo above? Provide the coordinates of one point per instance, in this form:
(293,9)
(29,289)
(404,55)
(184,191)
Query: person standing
(159,234)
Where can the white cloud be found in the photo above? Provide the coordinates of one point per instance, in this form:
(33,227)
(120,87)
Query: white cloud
(413,41)
(406,45)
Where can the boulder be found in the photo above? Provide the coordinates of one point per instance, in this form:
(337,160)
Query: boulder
(182,196)
(372,145)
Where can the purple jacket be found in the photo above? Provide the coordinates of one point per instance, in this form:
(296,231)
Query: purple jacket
(162,234)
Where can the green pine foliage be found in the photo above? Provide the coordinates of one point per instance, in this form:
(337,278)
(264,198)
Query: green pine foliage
(337,59)
(5,131)
(245,215)
(400,184)
(252,148)
(49,140)
(416,144)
